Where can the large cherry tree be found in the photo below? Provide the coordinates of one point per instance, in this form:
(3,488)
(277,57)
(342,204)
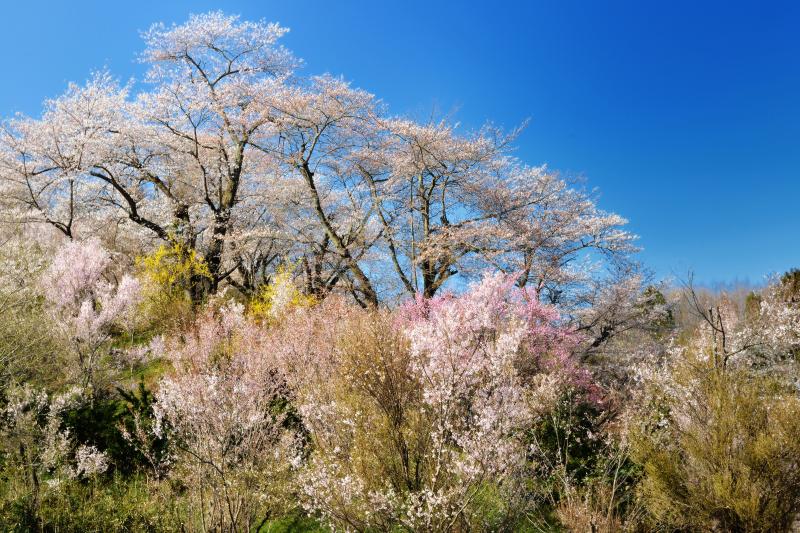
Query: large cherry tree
(227,152)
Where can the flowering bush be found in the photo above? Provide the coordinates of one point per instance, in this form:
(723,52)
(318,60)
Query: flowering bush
(719,448)
(173,279)
(85,305)
(39,453)
(417,420)
(715,422)
(224,404)
(173,267)
(278,297)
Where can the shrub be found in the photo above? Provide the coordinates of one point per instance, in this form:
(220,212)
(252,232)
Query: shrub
(417,420)
(721,450)
(86,307)
(117,504)
(277,297)
(174,268)
(224,406)
(174,278)
(30,350)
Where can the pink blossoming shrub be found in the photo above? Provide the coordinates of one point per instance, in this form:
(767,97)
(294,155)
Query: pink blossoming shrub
(417,420)
(75,274)
(86,306)
(223,408)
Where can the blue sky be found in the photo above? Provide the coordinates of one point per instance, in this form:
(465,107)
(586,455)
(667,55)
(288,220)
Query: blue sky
(685,115)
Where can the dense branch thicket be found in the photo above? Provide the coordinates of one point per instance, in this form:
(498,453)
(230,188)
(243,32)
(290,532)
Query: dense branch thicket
(239,298)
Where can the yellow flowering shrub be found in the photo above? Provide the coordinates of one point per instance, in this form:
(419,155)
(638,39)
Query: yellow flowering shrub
(169,273)
(173,267)
(278,296)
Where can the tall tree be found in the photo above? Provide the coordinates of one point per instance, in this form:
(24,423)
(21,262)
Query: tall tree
(232,156)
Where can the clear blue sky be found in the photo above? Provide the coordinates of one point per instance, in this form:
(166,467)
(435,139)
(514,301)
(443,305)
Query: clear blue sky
(686,115)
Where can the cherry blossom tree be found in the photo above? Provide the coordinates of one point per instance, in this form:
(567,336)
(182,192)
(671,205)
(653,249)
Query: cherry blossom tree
(321,124)
(231,154)
(44,161)
(451,203)
(426,183)
(175,161)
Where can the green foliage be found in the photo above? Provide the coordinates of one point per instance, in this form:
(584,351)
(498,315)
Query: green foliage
(295,522)
(752,306)
(30,352)
(116,504)
(102,423)
(136,418)
(569,440)
(791,285)
(585,480)
(653,298)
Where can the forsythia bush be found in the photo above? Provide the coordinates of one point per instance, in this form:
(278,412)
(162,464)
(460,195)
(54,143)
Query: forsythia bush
(173,267)
(278,297)
(171,274)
